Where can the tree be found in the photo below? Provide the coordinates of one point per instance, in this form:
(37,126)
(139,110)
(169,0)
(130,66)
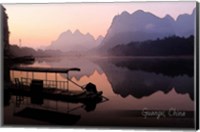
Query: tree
(5,31)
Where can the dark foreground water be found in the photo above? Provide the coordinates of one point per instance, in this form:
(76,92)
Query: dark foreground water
(142,93)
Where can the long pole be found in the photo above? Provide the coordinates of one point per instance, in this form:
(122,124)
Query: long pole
(68,79)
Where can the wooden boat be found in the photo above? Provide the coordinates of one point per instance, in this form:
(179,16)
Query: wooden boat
(41,89)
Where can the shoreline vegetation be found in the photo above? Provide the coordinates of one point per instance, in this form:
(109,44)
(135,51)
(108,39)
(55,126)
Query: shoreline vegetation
(170,47)
(116,57)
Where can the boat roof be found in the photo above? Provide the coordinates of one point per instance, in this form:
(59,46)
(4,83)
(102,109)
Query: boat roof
(44,69)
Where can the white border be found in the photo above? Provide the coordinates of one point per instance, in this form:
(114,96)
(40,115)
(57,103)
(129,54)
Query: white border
(67,129)
(61,1)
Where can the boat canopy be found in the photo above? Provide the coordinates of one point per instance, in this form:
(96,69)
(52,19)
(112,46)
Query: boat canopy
(44,69)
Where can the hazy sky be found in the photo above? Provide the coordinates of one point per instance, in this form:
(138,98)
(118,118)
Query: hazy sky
(40,24)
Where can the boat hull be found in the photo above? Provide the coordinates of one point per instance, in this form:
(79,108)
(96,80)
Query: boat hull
(59,95)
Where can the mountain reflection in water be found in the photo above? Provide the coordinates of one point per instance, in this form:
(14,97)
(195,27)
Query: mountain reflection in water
(141,78)
(131,85)
(136,77)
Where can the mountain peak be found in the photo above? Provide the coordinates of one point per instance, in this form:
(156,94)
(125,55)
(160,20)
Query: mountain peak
(77,32)
(168,17)
(88,34)
(125,13)
(139,12)
(100,37)
(143,25)
(69,31)
(75,41)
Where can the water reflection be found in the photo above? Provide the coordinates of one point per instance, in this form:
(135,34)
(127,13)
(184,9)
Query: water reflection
(49,112)
(151,84)
(136,77)
(87,67)
(48,116)
(141,78)
(166,66)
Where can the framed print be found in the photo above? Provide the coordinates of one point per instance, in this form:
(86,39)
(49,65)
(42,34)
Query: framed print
(104,65)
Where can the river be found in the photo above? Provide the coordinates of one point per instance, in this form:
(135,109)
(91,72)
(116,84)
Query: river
(142,92)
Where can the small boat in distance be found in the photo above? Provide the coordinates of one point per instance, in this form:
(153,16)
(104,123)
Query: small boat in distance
(53,89)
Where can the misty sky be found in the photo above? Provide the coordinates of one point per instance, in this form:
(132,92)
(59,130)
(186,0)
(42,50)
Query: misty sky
(40,24)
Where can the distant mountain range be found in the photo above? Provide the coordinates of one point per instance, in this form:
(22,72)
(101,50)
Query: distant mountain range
(77,41)
(125,28)
(142,26)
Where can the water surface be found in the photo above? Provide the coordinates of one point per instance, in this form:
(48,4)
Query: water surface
(134,87)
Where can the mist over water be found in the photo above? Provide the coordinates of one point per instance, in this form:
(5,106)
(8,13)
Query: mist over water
(144,65)
(136,77)
(127,87)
